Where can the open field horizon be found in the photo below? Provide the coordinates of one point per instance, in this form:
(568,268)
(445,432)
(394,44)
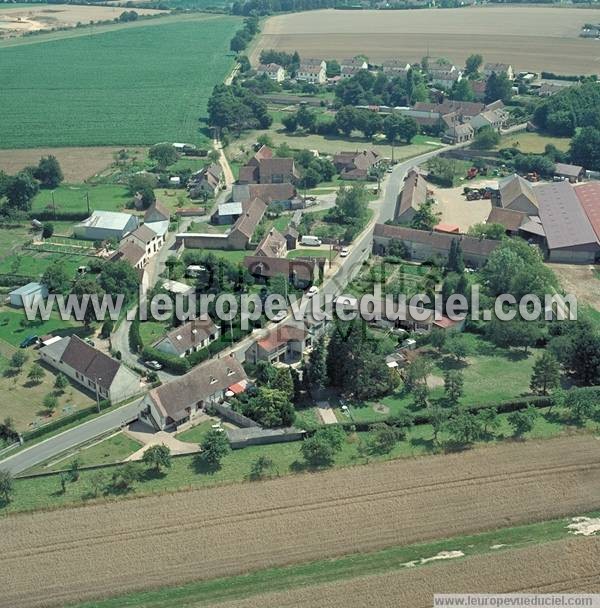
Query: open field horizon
(540,38)
(209,533)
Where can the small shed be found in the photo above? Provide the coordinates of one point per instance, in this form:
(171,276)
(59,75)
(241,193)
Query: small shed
(24,296)
(574,173)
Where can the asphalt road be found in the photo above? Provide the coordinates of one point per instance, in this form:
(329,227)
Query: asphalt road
(40,452)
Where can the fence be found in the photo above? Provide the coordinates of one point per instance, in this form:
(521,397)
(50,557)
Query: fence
(231,415)
(242,438)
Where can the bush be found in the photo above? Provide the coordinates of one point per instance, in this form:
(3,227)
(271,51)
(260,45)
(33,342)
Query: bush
(171,363)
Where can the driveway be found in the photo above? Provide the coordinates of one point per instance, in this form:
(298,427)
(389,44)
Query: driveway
(148,437)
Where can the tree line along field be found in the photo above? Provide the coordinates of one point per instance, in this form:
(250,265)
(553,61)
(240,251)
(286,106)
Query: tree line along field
(527,37)
(86,552)
(132,86)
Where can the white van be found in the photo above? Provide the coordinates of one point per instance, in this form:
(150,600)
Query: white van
(311,241)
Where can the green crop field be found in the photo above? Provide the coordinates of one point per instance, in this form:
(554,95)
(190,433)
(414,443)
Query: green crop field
(139,85)
(70,198)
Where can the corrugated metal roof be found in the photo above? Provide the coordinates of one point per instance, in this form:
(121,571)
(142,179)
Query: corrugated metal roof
(564,220)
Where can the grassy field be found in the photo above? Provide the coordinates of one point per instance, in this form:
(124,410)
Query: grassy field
(14,326)
(139,85)
(206,593)
(327,144)
(112,449)
(491,375)
(33,263)
(549,34)
(11,240)
(151,331)
(73,197)
(533,143)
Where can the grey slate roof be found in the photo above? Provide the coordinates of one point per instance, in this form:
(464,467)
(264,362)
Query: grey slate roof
(565,222)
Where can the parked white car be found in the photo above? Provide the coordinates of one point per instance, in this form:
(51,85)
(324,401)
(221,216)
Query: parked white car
(344,251)
(312,291)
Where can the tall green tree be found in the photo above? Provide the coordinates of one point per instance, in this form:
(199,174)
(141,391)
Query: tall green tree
(157,457)
(48,172)
(453,385)
(215,447)
(6,486)
(546,373)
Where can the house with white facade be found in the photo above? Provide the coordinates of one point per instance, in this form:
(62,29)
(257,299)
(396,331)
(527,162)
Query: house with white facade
(91,369)
(184,398)
(189,338)
(273,71)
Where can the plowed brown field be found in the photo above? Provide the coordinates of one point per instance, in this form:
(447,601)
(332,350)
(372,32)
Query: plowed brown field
(568,566)
(527,37)
(70,554)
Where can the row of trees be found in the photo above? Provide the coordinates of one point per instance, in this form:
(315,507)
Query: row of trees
(242,37)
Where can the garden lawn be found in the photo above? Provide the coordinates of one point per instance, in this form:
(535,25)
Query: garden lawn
(25,403)
(533,143)
(33,263)
(113,449)
(151,331)
(11,240)
(196,433)
(136,85)
(14,326)
(491,375)
(71,198)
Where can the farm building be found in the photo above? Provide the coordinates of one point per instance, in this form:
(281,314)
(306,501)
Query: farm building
(91,368)
(281,194)
(517,194)
(301,272)
(422,244)
(157,217)
(226,213)
(131,253)
(573,173)
(189,338)
(284,344)
(180,400)
(105,225)
(237,239)
(27,294)
(589,197)
(494,119)
(208,181)
(356,165)
(412,196)
(569,234)
(511,220)
(273,245)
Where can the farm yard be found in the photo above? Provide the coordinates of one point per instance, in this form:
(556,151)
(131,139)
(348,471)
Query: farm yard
(169,70)
(466,493)
(549,35)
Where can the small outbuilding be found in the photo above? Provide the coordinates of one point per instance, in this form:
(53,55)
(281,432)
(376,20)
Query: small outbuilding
(24,296)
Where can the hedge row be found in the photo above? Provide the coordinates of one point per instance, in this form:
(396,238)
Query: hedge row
(504,407)
(65,216)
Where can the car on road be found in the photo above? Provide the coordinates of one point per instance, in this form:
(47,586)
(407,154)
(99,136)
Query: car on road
(344,251)
(312,291)
(155,365)
(390,170)
(29,341)
(280,316)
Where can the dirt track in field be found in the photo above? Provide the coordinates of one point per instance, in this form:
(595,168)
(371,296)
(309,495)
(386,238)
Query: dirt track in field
(77,164)
(117,547)
(570,566)
(528,38)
